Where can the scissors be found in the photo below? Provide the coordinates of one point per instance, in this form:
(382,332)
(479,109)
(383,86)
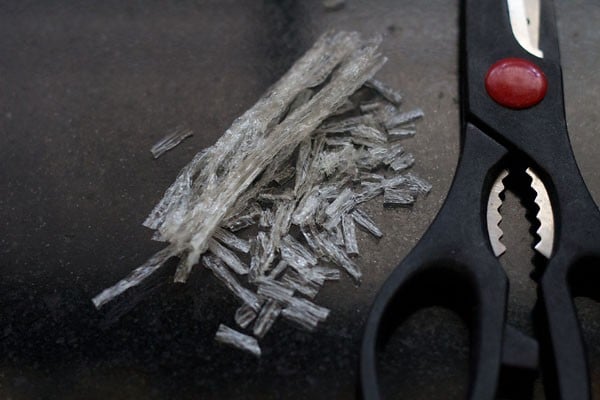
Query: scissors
(512,117)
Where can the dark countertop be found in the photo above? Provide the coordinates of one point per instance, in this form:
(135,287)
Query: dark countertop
(87,89)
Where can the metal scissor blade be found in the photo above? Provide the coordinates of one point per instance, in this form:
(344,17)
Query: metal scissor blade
(493,214)
(525,23)
(545,215)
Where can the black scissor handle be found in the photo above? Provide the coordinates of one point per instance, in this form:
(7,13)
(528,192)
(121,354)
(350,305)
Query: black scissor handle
(574,270)
(539,135)
(476,292)
(453,264)
(566,368)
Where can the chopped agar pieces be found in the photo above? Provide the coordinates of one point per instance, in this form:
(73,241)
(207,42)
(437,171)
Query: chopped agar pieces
(271,208)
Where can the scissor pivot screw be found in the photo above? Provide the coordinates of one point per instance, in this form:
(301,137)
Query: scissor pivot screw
(516,83)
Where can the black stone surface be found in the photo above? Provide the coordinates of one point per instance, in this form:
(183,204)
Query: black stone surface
(88,87)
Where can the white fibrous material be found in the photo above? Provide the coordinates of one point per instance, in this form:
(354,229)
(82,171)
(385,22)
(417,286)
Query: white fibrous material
(237,339)
(266,318)
(244,315)
(271,209)
(349,234)
(333,5)
(170,141)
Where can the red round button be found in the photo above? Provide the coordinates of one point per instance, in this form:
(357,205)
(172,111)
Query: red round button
(516,83)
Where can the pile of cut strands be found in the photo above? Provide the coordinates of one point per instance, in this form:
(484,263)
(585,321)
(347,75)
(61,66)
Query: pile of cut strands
(324,139)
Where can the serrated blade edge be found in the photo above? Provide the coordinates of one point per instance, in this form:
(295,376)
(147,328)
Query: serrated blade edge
(545,216)
(493,214)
